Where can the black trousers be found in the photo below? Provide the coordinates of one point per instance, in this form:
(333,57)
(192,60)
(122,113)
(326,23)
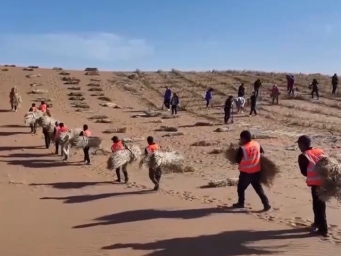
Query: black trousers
(253,110)
(256,90)
(57,147)
(167,103)
(33,128)
(125,173)
(315,91)
(227,115)
(245,179)
(319,208)
(14,107)
(334,88)
(47,139)
(207,103)
(174,109)
(155,175)
(291,91)
(86,155)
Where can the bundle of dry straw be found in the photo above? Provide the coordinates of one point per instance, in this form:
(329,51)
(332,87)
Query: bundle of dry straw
(168,161)
(83,142)
(330,170)
(121,157)
(269,169)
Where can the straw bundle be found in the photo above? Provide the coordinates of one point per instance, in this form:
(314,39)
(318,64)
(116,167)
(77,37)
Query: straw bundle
(228,182)
(125,156)
(168,161)
(269,169)
(330,171)
(83,142)
(31,117)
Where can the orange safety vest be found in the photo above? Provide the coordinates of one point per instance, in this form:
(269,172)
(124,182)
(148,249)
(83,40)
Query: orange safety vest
(313,156)
(251,158)
(152,148)
(87,133)
(43,107)
(117,146)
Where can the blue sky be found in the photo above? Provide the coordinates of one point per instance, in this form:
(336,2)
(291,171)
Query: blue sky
(296,36)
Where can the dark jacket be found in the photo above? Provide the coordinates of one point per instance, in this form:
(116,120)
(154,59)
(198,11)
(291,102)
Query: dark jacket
(175,101)
(314,84)
(253,100)
(303,163)
(228,104)
(168,94)
(241,91)
(240,154)
(257,84)
(335,80)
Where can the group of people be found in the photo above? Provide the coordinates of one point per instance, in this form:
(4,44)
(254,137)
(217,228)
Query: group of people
(154,174)
(59,127)
(248,158)
(171,101)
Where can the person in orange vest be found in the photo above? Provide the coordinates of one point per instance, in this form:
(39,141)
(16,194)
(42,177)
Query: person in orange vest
(154,174)
(56,133)
(86,133)
(43,107)
(116,146)
(307,161)
(33,108)
(248,158)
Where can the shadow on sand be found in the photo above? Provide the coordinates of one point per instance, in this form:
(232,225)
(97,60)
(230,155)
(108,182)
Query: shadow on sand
(9,148)
(71,185)
(12,133)
(15,126)
(149,214)
(88,198)
(232,243)
(30,163)
(5,110)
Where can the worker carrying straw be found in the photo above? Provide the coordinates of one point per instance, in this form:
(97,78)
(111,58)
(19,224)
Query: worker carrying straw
(307,162)
(154,173)
(116,146)
(248,158)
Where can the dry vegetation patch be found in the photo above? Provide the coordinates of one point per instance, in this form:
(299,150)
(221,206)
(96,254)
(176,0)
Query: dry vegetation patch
(115,130)
(4,69)
(33,76)
(95,89)
(103,121)
(37,91)
(93,85)
(80,105)
(28,69)
(74,88)
(92,73)
(104,98)
(77,94)
(95,80)
(79,98)
(167,129)
(34,67)
(173,134)
(97,94)
(205,143)
(98,117)
(64,73)
(57,68)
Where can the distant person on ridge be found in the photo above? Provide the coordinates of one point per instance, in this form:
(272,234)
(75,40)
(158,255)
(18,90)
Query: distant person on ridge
(290,85)
(167,98)
(174,104)
(335,82)
(253,100)
(208,97)
(275,94)
(314,89)
(228,109)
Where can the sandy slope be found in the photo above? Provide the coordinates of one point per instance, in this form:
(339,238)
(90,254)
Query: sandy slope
(51,208)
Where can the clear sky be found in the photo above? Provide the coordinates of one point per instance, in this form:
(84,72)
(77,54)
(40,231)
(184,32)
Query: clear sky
(270,35)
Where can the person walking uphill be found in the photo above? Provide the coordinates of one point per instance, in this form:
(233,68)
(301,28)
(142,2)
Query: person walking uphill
(56,134)
(307,161)
(208,97)
(174,104)
(43,107)
(315,89)
(241,90)
(86,133)
(116,146)
(58,129)
(335,82)
(253,101)
(167,98)
(248,158)
(154,174)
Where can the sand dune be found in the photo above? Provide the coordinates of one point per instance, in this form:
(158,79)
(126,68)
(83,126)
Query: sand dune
(53,208)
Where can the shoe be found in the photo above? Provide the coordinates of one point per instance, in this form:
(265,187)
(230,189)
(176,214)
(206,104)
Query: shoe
(118,180)
(322,233)
(314,227)
(126,181)
(267,208)
(156,187)
(238,206)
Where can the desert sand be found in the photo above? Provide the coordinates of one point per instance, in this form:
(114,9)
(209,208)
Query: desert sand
(52,208)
